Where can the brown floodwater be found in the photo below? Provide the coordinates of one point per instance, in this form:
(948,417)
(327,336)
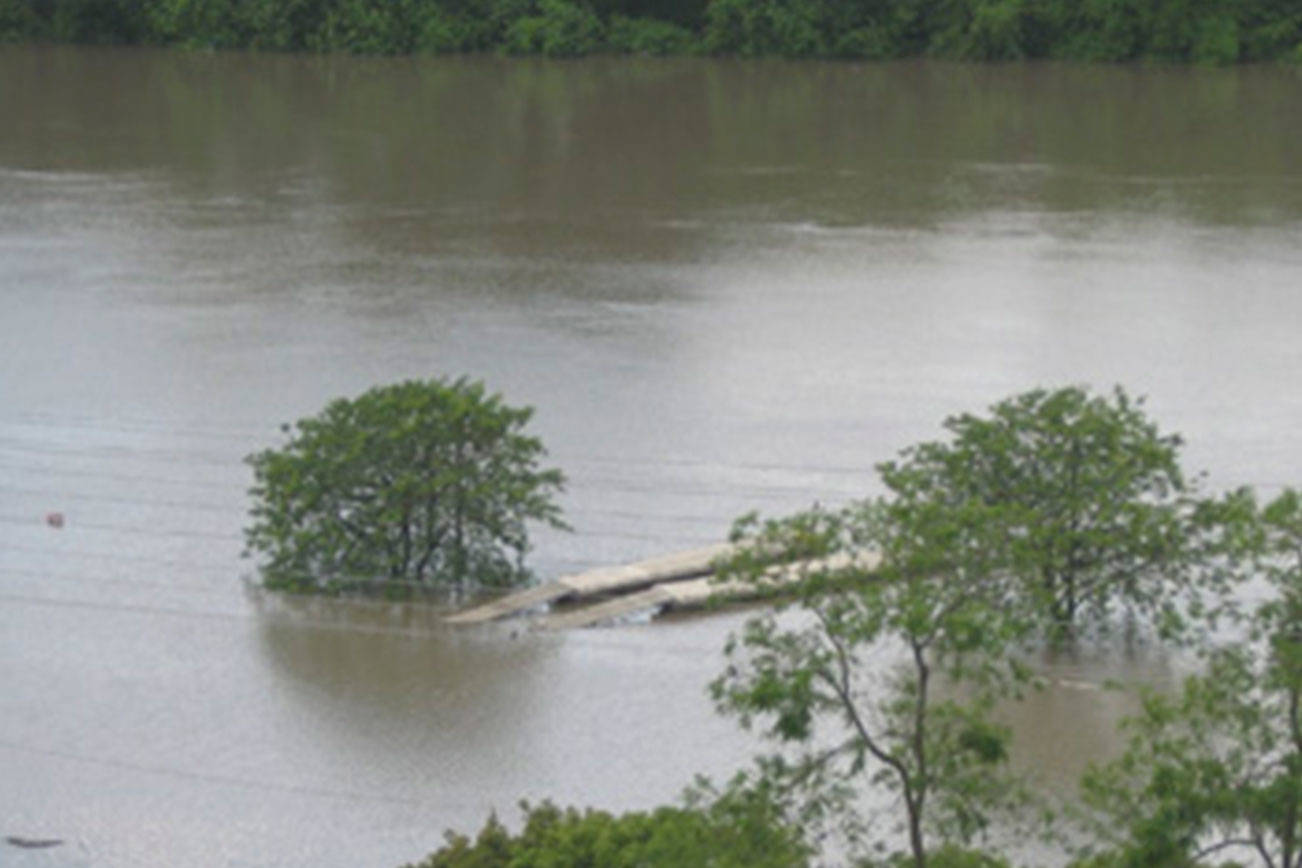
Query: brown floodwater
(724,285)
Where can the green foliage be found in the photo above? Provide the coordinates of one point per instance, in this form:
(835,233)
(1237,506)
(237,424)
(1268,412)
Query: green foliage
(950,856)
(80,21)
(442,26)
(422,483)
(736,829)
(687,14)
(1052,514)
(18,21)
(440,33)
(765,27)
(866,43)
(560,29)
(1220,764)
(1088,509)
(947,856)
(647,36)
(1216,41)
(1104,30)
(1002,30)
(199,23)
(934,607)
(1270,29)
(366,27)
(1200,31)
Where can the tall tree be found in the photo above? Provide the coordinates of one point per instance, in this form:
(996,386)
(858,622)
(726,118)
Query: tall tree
(1090,510)
(845,671)
(1051,515)
(1216,770)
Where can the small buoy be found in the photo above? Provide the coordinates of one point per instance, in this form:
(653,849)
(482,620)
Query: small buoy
(54,519)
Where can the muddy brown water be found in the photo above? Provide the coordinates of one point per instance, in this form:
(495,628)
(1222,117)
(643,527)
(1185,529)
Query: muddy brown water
(725,286)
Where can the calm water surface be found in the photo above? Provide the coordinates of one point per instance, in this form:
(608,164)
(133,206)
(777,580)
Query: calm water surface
(725,286)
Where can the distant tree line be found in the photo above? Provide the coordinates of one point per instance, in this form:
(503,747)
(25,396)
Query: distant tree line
(1197,31)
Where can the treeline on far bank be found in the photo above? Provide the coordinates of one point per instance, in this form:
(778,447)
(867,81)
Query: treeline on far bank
(1198,31)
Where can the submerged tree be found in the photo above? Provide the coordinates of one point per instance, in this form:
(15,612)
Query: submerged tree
(1055,513)
(1216,770)
(423,482)
(1088,506)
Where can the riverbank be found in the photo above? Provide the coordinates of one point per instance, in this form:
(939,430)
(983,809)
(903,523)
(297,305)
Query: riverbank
(1169,31)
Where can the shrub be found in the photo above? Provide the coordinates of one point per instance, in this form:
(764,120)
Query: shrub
(733,832)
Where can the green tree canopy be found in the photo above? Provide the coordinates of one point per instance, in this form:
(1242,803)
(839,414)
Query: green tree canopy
(1055,512)
(1085,501)
(1199,31)
(843,673)
(420,483)
(735,829)
(1218,766)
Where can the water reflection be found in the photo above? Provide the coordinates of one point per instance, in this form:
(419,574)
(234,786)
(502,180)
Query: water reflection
(534,150)
(378,683)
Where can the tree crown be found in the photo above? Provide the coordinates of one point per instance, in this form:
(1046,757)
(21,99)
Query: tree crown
(421,483)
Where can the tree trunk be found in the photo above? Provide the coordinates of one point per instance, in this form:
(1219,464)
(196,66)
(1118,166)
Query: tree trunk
(916,841)
(916,797)
(1288,840)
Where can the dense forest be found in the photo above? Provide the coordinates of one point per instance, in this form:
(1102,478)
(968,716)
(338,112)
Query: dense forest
(1198,31)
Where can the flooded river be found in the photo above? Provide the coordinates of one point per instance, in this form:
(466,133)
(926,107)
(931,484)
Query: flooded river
(725,286)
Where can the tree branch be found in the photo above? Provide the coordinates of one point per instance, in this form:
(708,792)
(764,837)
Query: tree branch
(841,687)
(1224,845)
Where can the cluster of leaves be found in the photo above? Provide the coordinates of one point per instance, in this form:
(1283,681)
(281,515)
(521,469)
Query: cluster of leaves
(1202,31)
(739,826)
(1082,501)
(735,829)
(1059,513)
(422,483)
(1216,769)
(820,677)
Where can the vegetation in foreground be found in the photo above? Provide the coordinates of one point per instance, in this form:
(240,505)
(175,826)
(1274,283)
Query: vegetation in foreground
(1058,515)
(734,829)
(1197,31)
